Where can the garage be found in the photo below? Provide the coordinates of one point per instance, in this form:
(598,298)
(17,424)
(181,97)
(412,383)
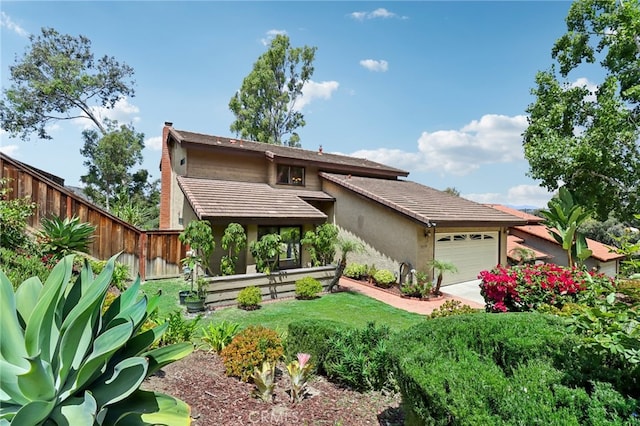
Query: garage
(469,252)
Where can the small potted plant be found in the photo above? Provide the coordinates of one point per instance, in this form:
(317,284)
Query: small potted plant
(195,300)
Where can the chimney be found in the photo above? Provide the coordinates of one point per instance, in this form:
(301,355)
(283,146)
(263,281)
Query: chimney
(165,179)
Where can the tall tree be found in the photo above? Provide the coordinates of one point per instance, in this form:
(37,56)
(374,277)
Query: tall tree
(265,105)
(452,190)
(59,79)
(586,138)
(110,158)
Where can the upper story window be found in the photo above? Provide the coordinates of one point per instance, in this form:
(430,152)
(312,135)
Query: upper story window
(290,175)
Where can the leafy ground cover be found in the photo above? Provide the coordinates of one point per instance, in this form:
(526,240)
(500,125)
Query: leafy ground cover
(353,309)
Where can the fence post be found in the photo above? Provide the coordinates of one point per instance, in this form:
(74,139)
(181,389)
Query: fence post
(142,256)
(69,207)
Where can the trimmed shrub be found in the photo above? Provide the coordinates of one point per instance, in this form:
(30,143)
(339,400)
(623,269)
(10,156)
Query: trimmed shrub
(501,369)
(249,298)
(384,278)
(526,287)
(452,307)
(249,349)
(358,358)
(355,270)
(308,288)
(312,337)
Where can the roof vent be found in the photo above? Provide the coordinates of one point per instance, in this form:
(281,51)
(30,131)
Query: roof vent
(233,141)
(320,150)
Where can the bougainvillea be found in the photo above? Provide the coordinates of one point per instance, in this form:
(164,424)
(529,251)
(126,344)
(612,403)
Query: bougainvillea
(527,287)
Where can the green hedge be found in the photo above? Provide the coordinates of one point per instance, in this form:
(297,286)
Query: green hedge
(312,337)
(501,369)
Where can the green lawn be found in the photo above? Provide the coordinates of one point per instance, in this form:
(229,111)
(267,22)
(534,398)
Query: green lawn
(350,308)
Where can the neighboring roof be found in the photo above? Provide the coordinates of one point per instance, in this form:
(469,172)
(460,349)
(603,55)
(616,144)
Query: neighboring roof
(601,252)
(530,218)
(325,161)
(34,170)
(514,243)
(424,204)
(246,202)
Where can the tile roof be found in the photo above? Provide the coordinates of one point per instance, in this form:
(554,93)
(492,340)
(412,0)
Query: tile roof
(514,243)
(422,203)
(245,201)
(530,218)
(325,161)
(601,252)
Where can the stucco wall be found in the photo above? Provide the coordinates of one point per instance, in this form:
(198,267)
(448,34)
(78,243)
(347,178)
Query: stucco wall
(178,201)
(219,165)
(390,238)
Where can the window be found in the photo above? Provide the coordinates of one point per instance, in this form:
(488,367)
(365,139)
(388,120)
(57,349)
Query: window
(289,256)
(290,175)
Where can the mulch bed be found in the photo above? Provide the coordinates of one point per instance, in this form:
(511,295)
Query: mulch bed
(216,399)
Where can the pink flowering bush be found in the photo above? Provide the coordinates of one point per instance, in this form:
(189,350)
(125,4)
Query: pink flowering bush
(527,287)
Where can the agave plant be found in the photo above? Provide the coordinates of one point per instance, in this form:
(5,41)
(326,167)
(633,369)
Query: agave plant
(62,236)
(64,362)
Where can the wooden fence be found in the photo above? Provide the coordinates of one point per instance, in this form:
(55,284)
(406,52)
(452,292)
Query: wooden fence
(151,254)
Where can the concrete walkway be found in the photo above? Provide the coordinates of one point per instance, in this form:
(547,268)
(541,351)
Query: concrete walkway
(419,306)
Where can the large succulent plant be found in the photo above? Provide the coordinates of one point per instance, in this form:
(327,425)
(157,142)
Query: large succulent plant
(64,362)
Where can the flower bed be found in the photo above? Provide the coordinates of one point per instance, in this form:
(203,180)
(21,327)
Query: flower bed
(525,288)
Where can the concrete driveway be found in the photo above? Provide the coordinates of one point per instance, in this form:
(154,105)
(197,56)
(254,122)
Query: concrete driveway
(469,290)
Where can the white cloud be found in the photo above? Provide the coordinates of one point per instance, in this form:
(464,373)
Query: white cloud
(10,150)
(153,143)
(492,139)
(7,22)
(312,90)
(375,65)
(122,111)
(359,16)
(271,34)
(591,87)
(381,13)
(521,195)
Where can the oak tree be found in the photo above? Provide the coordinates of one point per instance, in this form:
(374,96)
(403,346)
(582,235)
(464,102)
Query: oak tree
(587,137)
(265,105)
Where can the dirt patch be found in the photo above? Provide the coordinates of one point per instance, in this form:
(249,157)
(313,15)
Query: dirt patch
(216,399)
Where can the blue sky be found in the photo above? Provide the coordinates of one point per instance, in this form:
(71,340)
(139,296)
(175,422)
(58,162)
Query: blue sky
(436,88)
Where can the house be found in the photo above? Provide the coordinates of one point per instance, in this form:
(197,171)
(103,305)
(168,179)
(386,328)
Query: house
(270,188)
(534,237)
